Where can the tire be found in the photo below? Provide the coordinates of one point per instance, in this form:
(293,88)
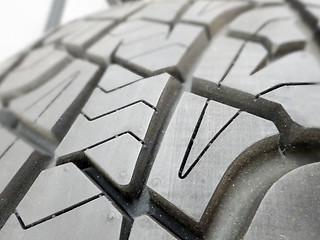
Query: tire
(165,120)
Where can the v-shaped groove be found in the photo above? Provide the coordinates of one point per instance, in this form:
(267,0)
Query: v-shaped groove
(187,153)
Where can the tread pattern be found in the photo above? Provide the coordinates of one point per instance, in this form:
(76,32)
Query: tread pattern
(164,120)
(244,67)
(93,212)
(213,13)
(172,51)
(73,181)
(164,11)
(37,68)
(12,149)
(212,162)
(306,180)
(49,215)
(47,103)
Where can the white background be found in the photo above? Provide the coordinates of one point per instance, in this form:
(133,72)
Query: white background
(23,21)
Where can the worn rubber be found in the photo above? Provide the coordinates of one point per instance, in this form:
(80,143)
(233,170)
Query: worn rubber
(166,120)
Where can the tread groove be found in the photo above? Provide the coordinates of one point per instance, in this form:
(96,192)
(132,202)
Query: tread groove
(246,40)
(119,109)
(137,198)
(185,158)
(57,214)
(285,84)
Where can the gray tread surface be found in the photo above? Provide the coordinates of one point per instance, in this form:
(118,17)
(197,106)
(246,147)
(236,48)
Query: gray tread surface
(275,39)
(46,104)
(63,226)
(213,13)
(162,11)
(284,207)
(145,228)
(213,163)
(170,52)
(77,43)
(111,159)
(110,126)
(19,151)
(165,120)
(116,77)
(148,90)
(66,181)
(37,68)
(119,12)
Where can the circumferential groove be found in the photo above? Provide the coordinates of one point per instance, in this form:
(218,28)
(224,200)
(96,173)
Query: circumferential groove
(141,204)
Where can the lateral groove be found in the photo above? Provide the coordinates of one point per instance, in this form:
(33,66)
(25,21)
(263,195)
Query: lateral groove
(121,108)
(57,214)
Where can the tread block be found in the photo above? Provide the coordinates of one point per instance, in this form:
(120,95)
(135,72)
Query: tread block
(116,77)
(145,228)
(110,112)
(68,30)
(182,34)
(213,14)
(77,36)
(280,36)
(251,21)
(109,126)
(119,12)
(93,220)
(53,191)
(301,102)
(279,73)
(269,82)
(131,50)
(162,11)
(12,158)
(46,104)
(37,68)
(230,58)
(251,58)
(134,31)
(207,173)
(284,210)
(7,139)
(116,158)
(215,112)
(102,51)
(148,90)
(268,2)
(170,54)
(217,59)
(284,36)
(77,43)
